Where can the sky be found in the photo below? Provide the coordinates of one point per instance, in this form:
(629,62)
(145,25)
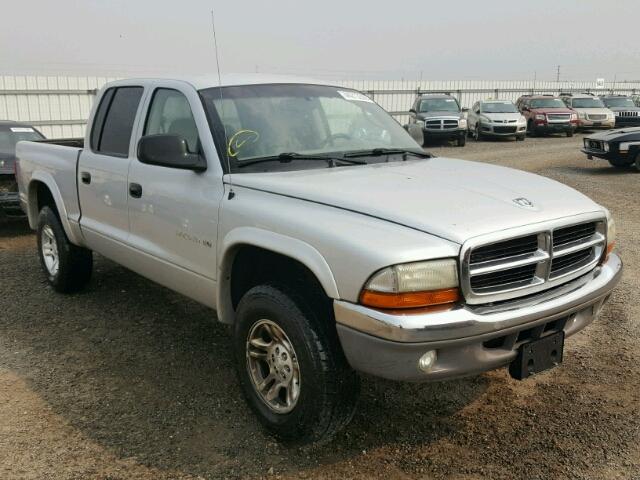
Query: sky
(336,39)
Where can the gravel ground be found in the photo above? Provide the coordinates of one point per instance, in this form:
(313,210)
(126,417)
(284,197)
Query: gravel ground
(131,381)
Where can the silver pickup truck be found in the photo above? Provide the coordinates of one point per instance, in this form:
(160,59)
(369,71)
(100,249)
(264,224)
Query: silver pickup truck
(316,227)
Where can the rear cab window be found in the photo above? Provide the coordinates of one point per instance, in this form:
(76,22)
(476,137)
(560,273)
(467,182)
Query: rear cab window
(114,120)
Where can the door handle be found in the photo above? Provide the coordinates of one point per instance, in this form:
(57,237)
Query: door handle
(135,190)
(85,177)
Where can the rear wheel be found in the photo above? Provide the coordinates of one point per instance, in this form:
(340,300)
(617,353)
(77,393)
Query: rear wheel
(637,162)
(291,367)
(68,267)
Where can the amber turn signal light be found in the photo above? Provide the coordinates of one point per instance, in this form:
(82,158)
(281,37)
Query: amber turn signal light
(403,300)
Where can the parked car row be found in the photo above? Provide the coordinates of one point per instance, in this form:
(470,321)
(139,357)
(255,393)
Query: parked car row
(440,116)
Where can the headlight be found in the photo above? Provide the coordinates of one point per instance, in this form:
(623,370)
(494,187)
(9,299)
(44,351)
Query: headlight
(540,116)
(413,285)
(574,116)
(611,116)
(420,123)
(605,146)
(462,123)
(522,119)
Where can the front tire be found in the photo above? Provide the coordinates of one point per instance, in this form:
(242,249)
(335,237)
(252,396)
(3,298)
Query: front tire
(67,267)
(478,134)
(570,133)
(622,162)
(291,367)
(462,140)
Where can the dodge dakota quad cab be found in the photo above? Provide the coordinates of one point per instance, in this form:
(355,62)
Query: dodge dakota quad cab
(316,227)
(496,118)
(626,112)
(10,134)
(621,148)
(547,114)
(440,117)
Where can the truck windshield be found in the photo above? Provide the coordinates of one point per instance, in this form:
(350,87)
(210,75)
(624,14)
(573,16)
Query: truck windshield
(10,136)
(619,102)
(439,105)
(262,121)
(547,103)
(498,107)
(587,103)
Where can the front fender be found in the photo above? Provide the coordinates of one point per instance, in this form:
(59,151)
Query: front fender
(282,244)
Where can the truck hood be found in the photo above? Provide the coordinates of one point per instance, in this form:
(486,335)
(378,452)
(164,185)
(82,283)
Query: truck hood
(631,133)
(453,199)
(426,115)
(624,109)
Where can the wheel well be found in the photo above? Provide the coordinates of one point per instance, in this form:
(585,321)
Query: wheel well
(44,198)
(254,266)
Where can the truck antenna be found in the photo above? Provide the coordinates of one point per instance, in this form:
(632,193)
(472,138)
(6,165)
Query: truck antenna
(224,127)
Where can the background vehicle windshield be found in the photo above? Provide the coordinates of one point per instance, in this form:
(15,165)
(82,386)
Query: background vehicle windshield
(439,105)
(547,103)
(619,102)
(498,107)
(587,103)
(267,120)
(10,136)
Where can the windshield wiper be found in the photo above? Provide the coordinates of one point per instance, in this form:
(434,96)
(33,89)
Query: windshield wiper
(377,152)
(287,157)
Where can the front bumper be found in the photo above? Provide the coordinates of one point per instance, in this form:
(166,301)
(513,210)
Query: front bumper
(468,340)
(452,133)
(9,198)
(586,123)
(554,127)
(503,130)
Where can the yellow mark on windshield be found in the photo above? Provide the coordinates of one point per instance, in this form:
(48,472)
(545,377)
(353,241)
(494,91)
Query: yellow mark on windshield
(237,141)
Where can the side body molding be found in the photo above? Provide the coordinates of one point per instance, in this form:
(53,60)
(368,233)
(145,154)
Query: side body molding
(290,247)
(70,220)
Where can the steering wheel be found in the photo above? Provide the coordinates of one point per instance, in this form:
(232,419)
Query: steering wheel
(335,136)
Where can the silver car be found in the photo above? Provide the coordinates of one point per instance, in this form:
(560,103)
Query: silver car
(499,118)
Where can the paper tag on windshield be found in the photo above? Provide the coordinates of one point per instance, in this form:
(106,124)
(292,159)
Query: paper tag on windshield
(21,129)
(357,96)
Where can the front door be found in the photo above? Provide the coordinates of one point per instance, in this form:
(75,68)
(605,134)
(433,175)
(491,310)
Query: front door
(174,213)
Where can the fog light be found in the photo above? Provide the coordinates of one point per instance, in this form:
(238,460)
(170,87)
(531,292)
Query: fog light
(427,361)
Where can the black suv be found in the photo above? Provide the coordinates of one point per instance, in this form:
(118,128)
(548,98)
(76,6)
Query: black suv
(440,117)
(10,134)
(621,148)
(626,111)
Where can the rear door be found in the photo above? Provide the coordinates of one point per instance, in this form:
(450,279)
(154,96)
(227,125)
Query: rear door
(103,169)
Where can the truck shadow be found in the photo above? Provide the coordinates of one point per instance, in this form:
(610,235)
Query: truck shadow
(147,374)
(14,227)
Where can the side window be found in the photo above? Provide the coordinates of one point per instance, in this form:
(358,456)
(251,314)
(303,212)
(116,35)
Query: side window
(98,120)
(170,113)
(117,126)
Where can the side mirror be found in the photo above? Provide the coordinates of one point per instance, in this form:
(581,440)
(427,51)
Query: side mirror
(169,151)
(412,110)
(465,109)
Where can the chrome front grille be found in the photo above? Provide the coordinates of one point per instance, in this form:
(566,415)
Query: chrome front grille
(558,117)
(495,269)
(627,114)
(441,124)
(597,116)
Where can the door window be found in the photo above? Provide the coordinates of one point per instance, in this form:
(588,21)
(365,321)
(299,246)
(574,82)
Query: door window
(117,121)
(170,113)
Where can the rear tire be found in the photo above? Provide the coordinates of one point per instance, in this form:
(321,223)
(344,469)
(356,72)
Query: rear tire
(67,267)
(324,400)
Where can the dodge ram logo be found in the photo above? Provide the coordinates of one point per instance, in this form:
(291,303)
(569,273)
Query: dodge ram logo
(523,202)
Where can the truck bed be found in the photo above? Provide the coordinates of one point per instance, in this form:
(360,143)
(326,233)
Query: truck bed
(53,162)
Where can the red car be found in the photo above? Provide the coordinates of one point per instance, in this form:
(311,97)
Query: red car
(547,114)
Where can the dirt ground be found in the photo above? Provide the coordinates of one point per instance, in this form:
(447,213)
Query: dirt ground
(131,381)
